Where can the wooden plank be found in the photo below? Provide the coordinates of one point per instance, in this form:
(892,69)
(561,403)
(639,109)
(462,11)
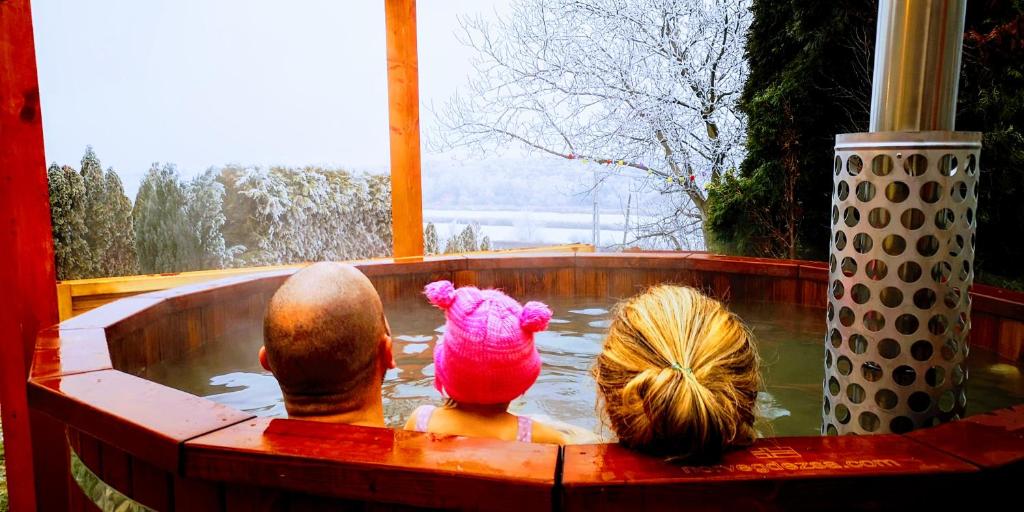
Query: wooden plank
(774,474)
(154,282)
(365,463)
(591,282)
(563,282)
(1010,340)
(192,495)
(150,485)
(143,418)
(33,445)
(63,301)
(742,265)
(117,469)
(77,500)
(997,301)
(813,271)
(996,305)
(780,290)
(524,284)
(88,294)
(88,450)
(87,302)
(195,336)
(984,331)
(718,285)
(814,293)
(244,498)
(398,288)
(404,118)
(478,278)
(216,291)
(535,260)
(637,260)
(626,283)
(527,283)
(991,440)
(429,264)
(113,313)
(66,351)
(169,334)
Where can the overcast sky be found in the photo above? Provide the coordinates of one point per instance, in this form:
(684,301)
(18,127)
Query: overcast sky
(202,83)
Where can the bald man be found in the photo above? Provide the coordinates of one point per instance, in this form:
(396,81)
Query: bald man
(328,344)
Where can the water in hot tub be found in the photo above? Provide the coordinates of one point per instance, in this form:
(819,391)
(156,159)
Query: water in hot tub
(789,339)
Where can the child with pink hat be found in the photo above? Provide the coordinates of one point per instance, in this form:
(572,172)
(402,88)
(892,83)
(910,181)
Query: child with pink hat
(485,359)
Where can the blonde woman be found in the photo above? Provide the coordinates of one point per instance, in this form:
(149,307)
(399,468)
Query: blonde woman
(678,375)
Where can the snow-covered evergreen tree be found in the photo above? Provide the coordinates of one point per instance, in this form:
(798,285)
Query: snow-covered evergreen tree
(120,258)
(97,213)
(223,217)
(105,215)
(163,237)
(468,240)
(309,214)
(378,213)
(273,214)
(430,242)
(67,213)
(204,212)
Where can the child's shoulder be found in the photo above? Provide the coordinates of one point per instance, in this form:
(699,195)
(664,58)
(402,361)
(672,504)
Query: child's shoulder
(542,433)
(410,424)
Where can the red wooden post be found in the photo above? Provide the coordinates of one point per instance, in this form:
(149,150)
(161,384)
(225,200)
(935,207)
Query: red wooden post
(404,115)
(34,445)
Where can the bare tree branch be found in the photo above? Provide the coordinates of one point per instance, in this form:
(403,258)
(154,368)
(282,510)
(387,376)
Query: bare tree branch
(650,85)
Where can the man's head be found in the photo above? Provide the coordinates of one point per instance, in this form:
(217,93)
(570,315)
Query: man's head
(327,342)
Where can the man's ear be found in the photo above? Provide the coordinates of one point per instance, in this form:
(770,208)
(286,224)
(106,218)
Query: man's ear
(263,359)
(387,355)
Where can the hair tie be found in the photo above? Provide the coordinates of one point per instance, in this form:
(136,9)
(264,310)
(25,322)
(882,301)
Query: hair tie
(687,371)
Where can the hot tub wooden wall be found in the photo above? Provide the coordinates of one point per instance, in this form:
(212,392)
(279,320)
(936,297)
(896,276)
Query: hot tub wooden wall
(173,451)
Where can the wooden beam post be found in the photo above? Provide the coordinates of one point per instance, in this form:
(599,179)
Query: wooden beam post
(34,446)
(404,116)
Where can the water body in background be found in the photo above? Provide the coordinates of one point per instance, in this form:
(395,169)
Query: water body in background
(521,202)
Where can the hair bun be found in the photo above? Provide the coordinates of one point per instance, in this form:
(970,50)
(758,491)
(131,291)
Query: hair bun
(440,293)
(535,316)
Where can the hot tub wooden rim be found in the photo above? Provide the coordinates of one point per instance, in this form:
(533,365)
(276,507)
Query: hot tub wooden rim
(77,350)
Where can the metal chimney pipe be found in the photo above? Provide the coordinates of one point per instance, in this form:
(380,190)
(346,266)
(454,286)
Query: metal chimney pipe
(904,213)
(917,65)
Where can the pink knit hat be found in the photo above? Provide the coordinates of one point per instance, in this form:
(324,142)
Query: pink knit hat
(486,355)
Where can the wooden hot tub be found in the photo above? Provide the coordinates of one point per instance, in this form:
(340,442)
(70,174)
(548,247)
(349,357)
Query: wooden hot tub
(169,450)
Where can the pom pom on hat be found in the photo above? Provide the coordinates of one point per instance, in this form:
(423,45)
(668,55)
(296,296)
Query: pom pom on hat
(440,293)
(535,316)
